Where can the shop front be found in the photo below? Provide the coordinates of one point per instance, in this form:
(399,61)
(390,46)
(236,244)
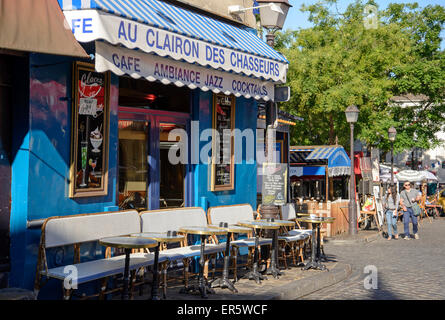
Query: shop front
(142,124)
(319,173)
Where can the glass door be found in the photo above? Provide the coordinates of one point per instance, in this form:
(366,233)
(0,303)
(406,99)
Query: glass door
(133,164)
(172,176)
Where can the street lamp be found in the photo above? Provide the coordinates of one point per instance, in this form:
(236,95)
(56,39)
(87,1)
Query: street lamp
(272,17)
(392,132)
(351,117)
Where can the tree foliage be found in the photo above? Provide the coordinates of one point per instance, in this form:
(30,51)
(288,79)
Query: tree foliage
(340,62)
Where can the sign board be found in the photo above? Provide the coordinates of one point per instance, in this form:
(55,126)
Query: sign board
(222,149)
(138,64)
(282,94)
(375,167)
(274,190)
(90,132)
(91,25)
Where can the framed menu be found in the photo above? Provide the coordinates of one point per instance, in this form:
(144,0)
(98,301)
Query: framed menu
(222,175)
(274,186)
(89,139)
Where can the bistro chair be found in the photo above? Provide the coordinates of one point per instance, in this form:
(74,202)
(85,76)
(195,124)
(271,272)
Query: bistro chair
(292,241)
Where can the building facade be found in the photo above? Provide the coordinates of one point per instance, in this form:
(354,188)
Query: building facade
(99,134)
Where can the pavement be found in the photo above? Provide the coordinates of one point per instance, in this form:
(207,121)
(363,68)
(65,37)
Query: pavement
(391,270)
(292,284)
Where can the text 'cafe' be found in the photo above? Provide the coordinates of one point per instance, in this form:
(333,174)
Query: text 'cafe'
(102,124)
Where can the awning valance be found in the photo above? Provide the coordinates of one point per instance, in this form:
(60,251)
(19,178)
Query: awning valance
(170,31)
(36,26)
(138,64)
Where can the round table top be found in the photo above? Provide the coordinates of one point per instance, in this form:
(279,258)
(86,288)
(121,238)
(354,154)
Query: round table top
(257,224)
(283,223)
(159,236)
(317,219)
(303,214)
(232,228)
(128,242)
(202,230)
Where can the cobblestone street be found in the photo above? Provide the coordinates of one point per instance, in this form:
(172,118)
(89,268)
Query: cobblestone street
(413,269)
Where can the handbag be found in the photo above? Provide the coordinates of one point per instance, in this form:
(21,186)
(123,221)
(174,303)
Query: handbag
(416,208)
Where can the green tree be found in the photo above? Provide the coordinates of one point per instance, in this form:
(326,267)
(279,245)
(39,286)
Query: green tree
(340,62)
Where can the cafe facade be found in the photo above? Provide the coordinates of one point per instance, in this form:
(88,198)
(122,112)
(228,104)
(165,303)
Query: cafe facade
(100,133)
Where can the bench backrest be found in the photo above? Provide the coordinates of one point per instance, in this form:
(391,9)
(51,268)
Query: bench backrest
(288,212)
(164,220)
(67,230)
(231,214)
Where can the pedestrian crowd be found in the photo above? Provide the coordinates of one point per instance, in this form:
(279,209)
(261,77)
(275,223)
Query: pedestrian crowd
(408,200)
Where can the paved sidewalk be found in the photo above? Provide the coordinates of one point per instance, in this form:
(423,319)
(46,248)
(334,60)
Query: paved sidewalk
(294,283)
(413,269)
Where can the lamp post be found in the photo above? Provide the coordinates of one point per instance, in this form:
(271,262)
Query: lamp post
(392,132)
(272,16)
(351,117)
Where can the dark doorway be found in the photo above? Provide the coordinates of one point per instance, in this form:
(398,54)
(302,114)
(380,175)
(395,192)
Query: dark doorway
(6,88)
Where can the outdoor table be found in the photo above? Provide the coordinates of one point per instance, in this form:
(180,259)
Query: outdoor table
(435,206)
(273,269)
(203,232)
(127,243)
(315,259)
(224,282)
(160,237)
(258,225)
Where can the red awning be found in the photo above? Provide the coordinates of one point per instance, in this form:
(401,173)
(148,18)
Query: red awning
(37,26)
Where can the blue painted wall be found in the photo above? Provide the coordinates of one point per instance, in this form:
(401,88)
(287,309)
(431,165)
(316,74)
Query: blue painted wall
(245,173)
(40,170)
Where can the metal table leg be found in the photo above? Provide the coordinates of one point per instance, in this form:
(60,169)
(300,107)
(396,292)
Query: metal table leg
(155,285)
(315,254)
(224,281)
(254,274)
(125,295)
(273,270)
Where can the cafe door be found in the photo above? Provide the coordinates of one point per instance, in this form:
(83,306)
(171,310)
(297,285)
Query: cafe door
(133,164)
(148,178)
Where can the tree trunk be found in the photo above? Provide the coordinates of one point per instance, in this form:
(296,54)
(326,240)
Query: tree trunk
(331,130)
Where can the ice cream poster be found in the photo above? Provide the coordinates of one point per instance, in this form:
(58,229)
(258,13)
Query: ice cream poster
(90,132)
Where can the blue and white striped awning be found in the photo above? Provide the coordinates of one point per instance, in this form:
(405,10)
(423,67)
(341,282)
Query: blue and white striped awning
(167,30)
(335,157)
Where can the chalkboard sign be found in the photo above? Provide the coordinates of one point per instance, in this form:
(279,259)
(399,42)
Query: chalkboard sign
(89,172)
(222,147)
(274,178)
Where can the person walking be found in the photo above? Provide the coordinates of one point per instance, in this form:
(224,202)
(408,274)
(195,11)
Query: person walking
(407,197)
(391,204)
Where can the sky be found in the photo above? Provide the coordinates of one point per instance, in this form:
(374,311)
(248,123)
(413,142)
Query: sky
(296,19)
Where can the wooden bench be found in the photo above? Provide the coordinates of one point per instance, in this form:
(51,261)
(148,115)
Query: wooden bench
(77,229)
(165,220)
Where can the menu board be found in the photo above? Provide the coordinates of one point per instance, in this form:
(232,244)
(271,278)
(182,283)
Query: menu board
(274,191)
(222,150)
(90,132)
